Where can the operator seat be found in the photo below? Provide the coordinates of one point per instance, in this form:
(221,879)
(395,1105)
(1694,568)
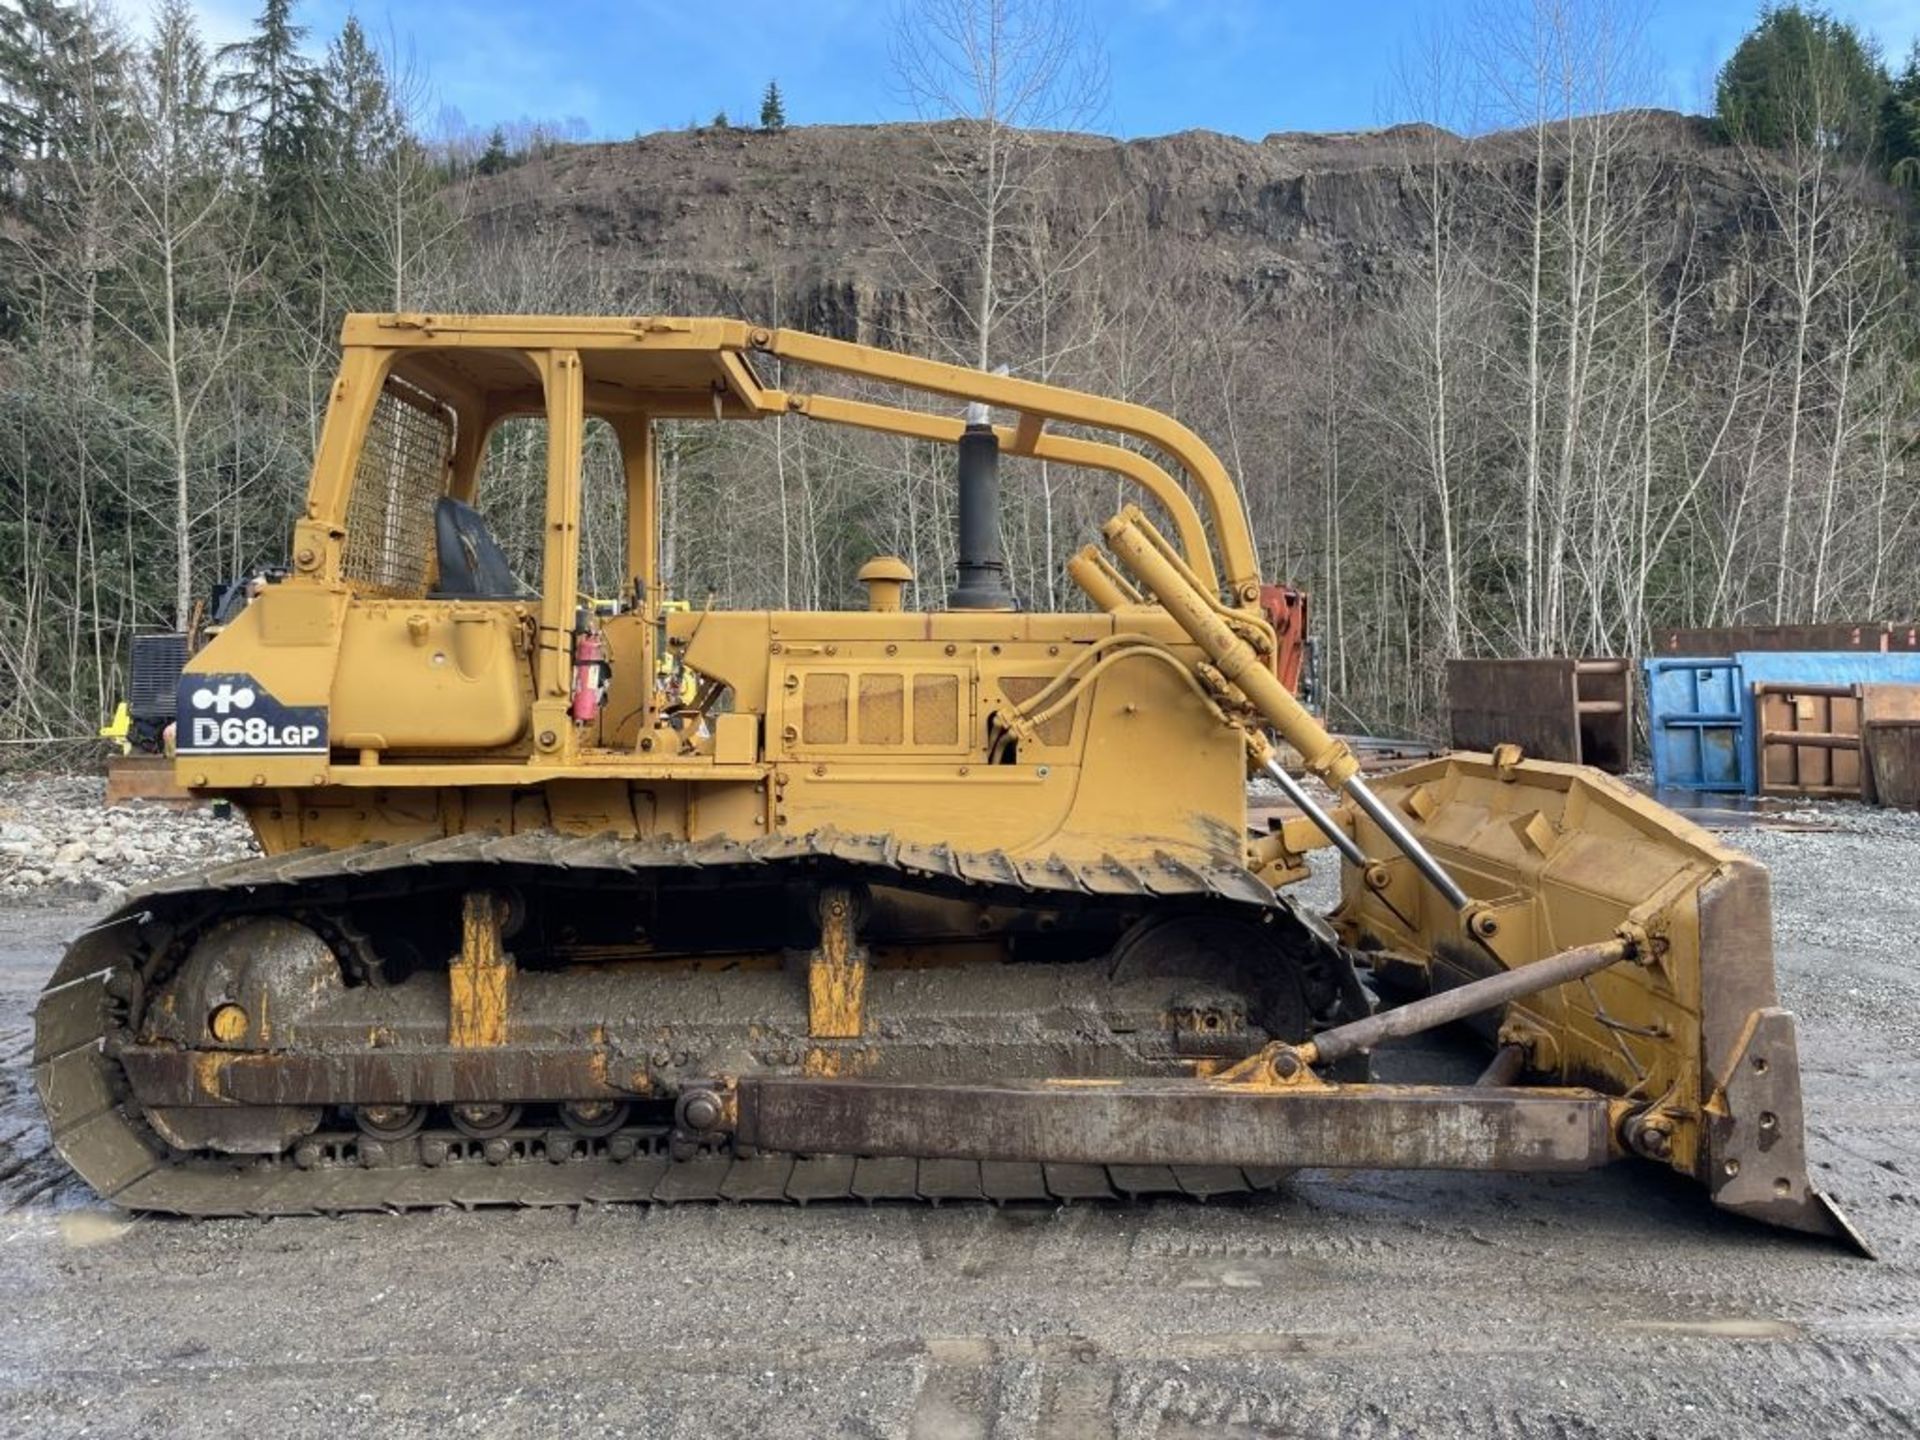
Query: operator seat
(472,564)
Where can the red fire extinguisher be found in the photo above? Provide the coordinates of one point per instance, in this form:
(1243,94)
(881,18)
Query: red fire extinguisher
(589,669)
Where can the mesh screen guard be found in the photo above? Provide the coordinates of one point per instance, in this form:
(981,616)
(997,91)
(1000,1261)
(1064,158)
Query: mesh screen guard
(401,474)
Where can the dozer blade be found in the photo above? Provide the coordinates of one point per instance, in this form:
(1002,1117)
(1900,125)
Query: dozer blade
(1469,868)
(1558,856)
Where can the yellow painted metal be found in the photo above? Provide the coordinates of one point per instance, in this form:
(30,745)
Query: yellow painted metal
(317,537)
(836,971)
(1224,638)
(1565,856)
(640,461)
(693,356)
(1046,403)
(432,676)
(227,1023)
(479,976)
(1035,444)
(886,578)
(553,734)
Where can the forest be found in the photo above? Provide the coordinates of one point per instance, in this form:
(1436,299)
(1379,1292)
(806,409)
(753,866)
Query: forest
(1628,369)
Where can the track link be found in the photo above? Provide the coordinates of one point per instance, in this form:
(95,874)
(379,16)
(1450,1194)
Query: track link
(346,1179)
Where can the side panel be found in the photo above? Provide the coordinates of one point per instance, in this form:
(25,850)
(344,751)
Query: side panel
(900,744)
(433,674)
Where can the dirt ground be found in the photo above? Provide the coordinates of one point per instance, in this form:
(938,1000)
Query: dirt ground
(1616,1304)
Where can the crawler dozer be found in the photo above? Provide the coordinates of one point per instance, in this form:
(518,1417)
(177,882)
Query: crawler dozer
(920,903)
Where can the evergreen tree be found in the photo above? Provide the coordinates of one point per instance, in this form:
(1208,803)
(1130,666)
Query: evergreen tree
(720,121)
(376,188)
(278,106)
(32,86)
(1902,123)
(1803,78)
(494,158)
(773,114)
(62,94)
(55,62)
(363,122)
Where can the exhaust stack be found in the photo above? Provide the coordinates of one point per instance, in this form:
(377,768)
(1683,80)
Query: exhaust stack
(980,582)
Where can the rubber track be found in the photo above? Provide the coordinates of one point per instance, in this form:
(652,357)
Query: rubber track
(96,1128)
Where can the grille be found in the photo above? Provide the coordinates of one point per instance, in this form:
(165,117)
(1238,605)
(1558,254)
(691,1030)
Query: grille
(882,710)
(402,473)
(824,704)
(1058,730)
(936,709)
(153,675)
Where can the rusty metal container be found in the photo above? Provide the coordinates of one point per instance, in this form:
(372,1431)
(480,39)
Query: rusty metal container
(1887,636)
(1809,738)
(1575,710)
(1890,741)
(1893,758)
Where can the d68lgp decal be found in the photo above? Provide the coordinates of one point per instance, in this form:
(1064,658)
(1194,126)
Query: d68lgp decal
(234,715)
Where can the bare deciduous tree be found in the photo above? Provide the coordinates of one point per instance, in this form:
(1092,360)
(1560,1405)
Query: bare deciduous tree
(992,74)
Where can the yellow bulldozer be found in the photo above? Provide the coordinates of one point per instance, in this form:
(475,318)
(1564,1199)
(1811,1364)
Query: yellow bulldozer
(918,903)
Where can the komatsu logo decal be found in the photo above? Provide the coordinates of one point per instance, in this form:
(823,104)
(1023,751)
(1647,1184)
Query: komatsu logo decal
(223,699)
(234,715)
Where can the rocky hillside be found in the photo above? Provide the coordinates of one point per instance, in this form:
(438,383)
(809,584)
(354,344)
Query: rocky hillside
(817,222)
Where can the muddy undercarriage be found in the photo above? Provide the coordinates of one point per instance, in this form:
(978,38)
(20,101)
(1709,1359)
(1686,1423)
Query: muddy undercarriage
(238,1042)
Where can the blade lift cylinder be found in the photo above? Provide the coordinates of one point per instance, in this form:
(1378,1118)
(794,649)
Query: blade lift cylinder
(1149,559)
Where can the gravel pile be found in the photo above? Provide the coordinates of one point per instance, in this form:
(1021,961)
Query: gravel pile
(59,841)
(1846,887)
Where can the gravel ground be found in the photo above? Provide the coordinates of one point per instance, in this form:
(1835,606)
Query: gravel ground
(57,843)
(1363,1305)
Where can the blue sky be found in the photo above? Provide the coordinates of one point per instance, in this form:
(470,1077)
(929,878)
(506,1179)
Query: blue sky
(1246,67)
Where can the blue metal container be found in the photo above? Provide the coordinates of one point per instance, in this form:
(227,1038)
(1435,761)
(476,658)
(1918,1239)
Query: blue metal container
(1701,720)
(1699,724)
(1825,667)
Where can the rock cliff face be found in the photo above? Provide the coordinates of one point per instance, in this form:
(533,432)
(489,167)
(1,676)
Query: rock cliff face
(816,223)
